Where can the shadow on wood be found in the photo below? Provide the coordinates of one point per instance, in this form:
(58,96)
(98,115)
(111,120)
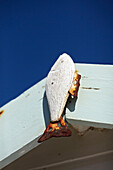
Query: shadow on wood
(46,111)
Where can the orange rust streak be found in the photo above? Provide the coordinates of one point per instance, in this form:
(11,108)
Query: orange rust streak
(1,112)
(62,122)
(53,126)
(75,87)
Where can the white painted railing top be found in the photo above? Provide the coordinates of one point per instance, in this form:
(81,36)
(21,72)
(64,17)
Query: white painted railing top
(24,119)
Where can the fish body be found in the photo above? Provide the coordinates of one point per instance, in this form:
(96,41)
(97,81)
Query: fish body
(58,83)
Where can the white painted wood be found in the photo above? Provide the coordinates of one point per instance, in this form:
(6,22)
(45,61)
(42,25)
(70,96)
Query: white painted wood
(22,121)
(58,83)
(95,97)
(25,118)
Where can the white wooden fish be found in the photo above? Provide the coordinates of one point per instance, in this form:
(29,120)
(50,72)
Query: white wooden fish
(58,83)
(61,80)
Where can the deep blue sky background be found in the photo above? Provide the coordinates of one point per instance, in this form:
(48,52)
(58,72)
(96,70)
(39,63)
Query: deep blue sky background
(33,33)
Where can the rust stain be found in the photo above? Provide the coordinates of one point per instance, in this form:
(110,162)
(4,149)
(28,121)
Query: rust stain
(27,95)
(1,112)
(74,90)
(76,71)
(96,88)
(84,77)
(90,88)
(90,128)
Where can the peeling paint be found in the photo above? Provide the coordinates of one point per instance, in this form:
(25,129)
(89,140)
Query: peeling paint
(1,112)
(91,88)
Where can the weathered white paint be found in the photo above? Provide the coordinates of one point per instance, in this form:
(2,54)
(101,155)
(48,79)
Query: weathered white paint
(25,118)
(22,120)
(95,97)
(58,83)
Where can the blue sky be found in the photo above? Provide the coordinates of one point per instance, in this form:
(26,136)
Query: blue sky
(33,33)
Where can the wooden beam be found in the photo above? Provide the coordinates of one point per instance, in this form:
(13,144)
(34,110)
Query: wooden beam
(94,106)
(25,118)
